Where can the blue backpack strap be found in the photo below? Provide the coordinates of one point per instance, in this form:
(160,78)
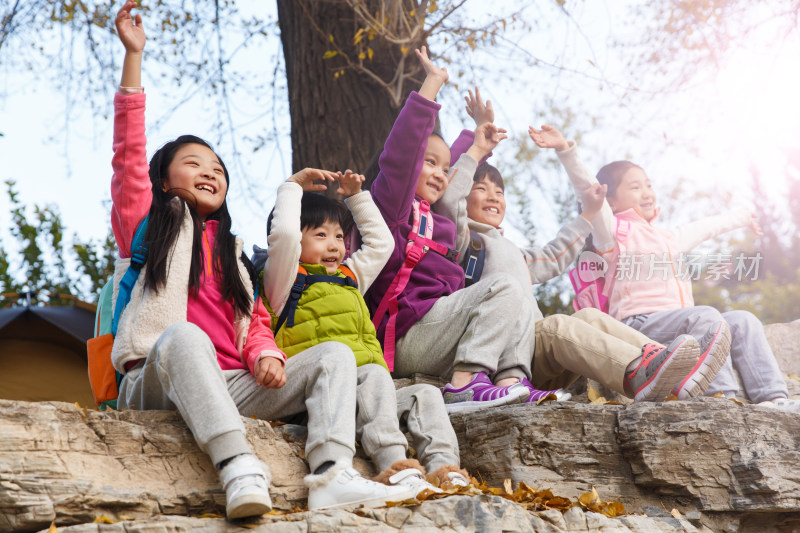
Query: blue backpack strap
(138,259)
(300,284)
(475,257)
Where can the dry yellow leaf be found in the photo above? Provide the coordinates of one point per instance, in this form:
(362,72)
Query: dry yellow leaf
(329,54)
(676,513)
(370,53)
(103,520)
(592,394)
(53,528)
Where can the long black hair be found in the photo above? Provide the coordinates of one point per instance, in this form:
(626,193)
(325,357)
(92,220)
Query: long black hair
(166,216)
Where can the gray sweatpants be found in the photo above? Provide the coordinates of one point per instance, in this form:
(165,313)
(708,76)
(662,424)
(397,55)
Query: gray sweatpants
(421,411)
(181,372)
(377,426)
(481,328)
(750,354)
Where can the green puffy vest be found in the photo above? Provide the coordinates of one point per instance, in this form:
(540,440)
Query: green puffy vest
(329,312)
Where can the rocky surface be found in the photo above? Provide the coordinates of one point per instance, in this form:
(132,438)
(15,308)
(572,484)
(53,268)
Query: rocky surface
(716,464)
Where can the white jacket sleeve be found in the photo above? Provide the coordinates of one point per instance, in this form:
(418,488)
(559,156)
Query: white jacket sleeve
(283,242)
(603,225)
(377,243)
(692,234)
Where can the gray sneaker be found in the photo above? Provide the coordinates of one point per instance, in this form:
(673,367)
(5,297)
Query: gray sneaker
(660,368)
(714,348)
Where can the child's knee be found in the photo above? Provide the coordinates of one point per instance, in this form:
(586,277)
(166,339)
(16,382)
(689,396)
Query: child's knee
(742,321)
(589,315)
(184,342)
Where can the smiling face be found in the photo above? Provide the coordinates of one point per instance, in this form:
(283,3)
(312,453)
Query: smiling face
(486,202)
(432,179)
(634,192)
(196,169)
(323,245)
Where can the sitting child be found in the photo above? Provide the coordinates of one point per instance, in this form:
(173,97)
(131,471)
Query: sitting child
(427,321)
(663,304)
(314,295)
(587,343)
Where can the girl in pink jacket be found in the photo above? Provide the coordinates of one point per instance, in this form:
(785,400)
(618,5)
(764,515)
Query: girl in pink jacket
(193,339)
(648,285)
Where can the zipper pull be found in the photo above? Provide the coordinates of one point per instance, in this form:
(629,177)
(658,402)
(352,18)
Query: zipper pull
(204,225)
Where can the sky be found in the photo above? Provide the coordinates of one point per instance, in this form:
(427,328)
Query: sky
(746,114)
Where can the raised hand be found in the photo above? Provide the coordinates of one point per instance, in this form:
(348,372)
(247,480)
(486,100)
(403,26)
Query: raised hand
(592,200)
(480,112)
(308,178)
(487,137)
(431,70)
(435,76)
(129,28)
(350,183)
(548,137)
(270,373)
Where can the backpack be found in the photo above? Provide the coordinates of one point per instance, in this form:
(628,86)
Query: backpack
(103,377)
(420,241)
(590,289)
(474,259)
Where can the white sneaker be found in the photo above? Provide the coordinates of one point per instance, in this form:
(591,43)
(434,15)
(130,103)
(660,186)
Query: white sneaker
(340,487)
(783,404)
(413,478)
(244,479)
(457,480)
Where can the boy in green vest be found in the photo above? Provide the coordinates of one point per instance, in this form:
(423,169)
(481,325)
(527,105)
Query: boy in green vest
(315,295)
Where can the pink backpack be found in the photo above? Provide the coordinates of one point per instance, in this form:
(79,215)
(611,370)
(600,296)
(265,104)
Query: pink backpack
(588,278)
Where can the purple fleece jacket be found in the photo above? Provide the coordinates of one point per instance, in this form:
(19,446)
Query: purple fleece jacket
(394,192)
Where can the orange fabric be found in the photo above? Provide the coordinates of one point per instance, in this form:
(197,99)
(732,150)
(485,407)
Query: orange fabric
(102,375)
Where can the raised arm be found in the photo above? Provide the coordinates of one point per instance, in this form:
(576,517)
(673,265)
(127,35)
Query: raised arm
(285,234)
(377,243)
(453,203)
(692,234)
(402,157)
(130,184)
(131,33)
(604,223)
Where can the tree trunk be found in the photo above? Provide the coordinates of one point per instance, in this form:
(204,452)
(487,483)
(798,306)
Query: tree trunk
(337,122)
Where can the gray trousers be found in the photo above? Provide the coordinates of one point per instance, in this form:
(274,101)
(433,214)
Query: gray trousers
(181,372)
(377,426)
(482,328)
(421,411)
(750,354)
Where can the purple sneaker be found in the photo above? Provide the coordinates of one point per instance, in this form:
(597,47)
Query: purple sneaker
(480,393)
(536,394)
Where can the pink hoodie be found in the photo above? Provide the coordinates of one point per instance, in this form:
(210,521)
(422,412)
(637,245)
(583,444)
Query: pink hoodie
(646,272)
(131,196)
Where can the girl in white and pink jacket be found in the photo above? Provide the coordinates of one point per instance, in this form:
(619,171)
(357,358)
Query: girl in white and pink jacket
(648,287)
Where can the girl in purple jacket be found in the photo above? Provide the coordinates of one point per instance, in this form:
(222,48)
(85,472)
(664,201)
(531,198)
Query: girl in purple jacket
(427,321)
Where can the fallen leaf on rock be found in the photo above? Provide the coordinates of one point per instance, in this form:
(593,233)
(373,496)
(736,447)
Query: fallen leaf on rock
(548,398)
(719,395)
(210,515)
(507,486)
(53,528)
(592,394)
(591,501)
(103,520)
(736,401)
(676,513)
